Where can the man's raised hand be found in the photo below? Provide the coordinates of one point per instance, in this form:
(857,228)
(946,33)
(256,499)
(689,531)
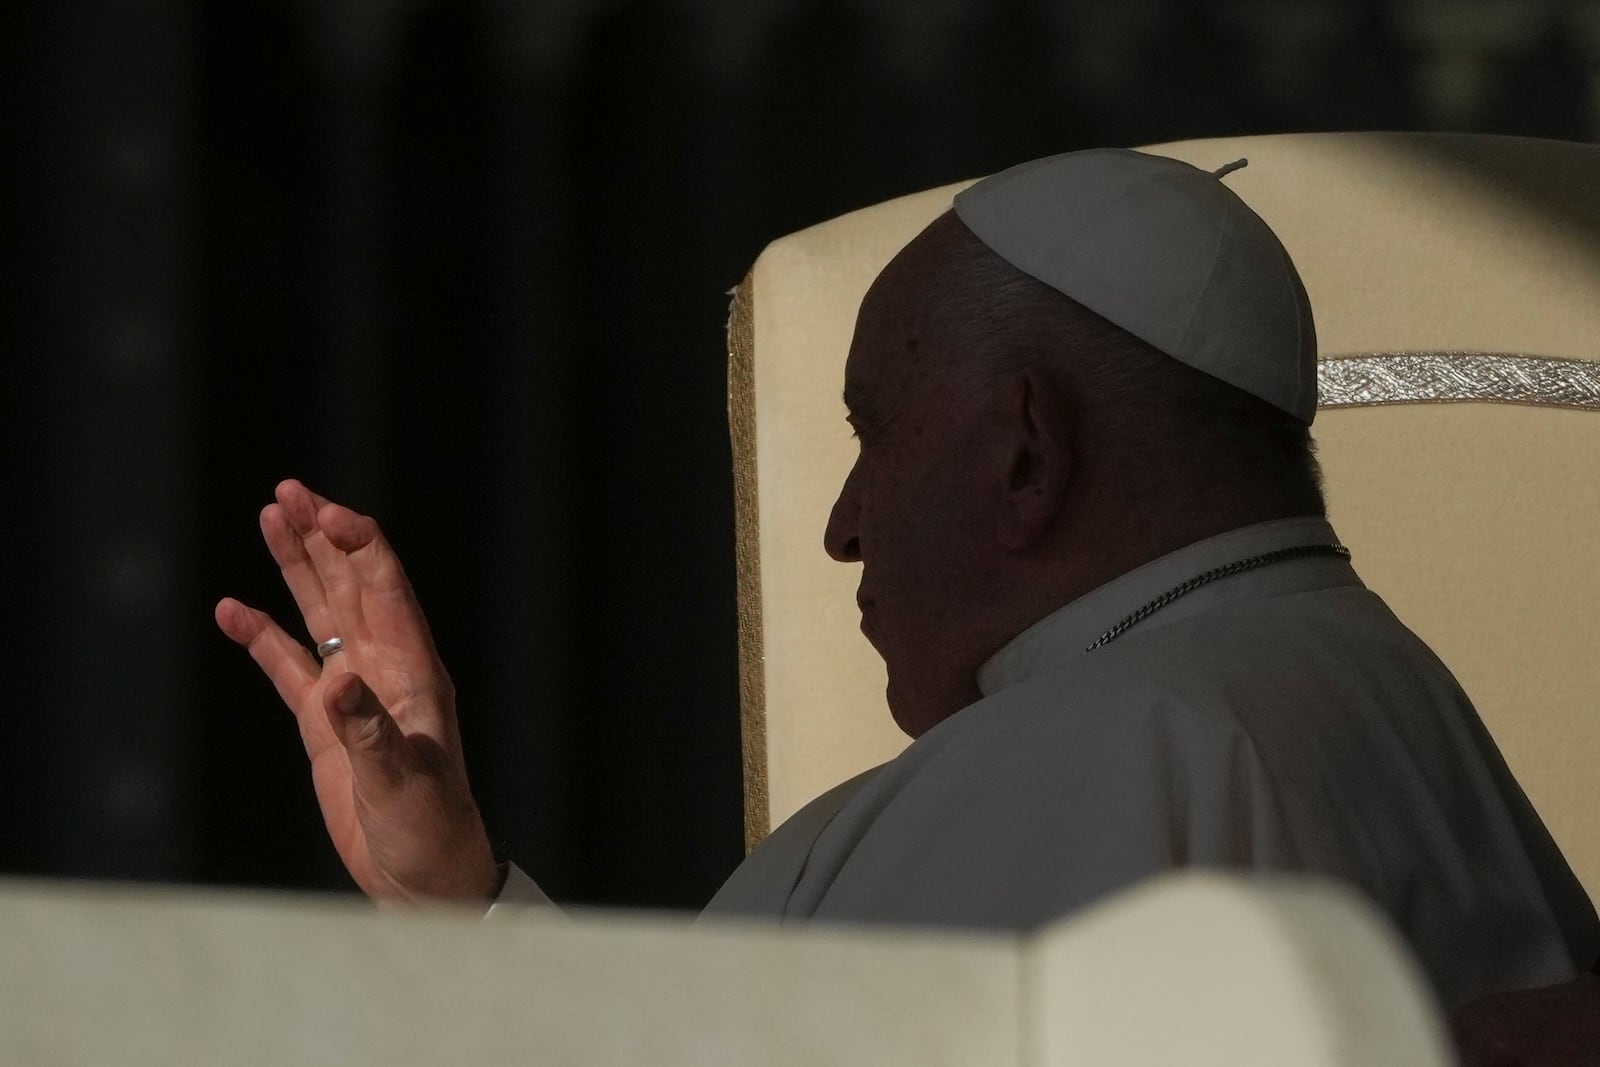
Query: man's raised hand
(378,717)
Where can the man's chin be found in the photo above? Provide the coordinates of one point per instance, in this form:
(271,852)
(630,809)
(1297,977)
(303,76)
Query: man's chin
(910,711)
(909,725)
(869,630)
(916,709)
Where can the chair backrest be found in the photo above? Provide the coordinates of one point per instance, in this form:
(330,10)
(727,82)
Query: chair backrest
(1456,285)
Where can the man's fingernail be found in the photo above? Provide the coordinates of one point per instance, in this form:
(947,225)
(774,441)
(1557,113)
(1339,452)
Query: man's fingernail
(348,701)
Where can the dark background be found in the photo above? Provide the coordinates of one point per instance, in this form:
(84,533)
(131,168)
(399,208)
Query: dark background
(462,265)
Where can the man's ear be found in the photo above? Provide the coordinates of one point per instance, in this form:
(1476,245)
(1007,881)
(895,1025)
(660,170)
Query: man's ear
(1037,457)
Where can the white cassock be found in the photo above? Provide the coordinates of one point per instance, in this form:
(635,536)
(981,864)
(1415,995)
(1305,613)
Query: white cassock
(1280,719)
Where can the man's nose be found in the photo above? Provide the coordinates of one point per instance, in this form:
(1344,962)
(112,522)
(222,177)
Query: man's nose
(840,537)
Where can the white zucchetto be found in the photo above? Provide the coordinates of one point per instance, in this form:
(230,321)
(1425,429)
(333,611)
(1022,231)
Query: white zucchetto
(1165,251)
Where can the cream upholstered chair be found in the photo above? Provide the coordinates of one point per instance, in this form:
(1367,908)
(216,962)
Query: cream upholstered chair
(1456,285)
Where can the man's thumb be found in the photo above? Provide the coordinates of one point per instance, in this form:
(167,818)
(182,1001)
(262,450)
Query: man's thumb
(374,742)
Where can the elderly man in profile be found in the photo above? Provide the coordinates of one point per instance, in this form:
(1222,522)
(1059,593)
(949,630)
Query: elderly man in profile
(1116,622)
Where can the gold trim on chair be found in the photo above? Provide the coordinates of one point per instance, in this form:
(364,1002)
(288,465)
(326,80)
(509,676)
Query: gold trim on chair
(747,561)
(1449,377)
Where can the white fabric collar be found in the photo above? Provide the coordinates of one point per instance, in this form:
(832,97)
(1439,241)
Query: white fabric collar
(1068,631)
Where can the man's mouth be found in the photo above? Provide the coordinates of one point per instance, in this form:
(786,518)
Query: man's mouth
(865,605)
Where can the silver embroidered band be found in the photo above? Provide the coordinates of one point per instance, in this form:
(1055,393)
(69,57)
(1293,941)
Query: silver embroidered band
(1443,377)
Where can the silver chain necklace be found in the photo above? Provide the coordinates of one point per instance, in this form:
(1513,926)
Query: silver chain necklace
(1227,570)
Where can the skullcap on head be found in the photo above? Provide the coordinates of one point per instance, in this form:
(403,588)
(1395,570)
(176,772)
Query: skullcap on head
(1167,252)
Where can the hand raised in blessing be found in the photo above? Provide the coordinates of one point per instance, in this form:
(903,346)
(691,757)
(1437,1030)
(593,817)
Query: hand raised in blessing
(378,717)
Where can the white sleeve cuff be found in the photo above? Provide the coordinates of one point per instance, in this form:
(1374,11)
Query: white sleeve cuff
(518,892)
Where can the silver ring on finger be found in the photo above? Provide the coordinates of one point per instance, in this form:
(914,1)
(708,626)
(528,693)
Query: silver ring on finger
(329,647)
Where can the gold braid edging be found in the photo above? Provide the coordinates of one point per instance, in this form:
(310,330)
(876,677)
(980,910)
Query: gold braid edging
(747,562)
(1446,377)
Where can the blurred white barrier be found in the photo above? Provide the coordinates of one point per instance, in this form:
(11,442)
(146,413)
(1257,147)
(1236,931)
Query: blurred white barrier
(1191,969)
